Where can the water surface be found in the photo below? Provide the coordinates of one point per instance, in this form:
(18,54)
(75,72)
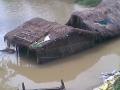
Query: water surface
(80,68)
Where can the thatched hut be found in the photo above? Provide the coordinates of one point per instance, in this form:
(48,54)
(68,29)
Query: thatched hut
(50,40)
(104,19)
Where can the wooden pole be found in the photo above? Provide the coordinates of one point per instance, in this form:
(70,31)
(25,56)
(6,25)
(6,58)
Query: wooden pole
(27,51)
(62,85)
(37,59)
(17,54)
(23,86)
(8,44)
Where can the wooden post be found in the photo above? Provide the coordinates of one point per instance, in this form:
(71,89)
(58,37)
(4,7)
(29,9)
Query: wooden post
(62,85)
(37,59)
(17,54)
(27,52)
(8,44)
(23,86)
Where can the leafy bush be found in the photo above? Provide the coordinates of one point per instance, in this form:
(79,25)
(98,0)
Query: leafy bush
(91,3)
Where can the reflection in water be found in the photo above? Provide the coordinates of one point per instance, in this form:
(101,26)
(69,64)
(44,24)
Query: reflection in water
(15,12)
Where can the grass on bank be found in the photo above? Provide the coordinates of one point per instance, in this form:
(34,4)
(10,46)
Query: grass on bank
(91,3)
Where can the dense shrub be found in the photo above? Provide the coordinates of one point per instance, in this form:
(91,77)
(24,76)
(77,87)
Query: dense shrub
(91,3)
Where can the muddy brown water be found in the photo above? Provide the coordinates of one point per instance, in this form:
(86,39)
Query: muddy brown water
(83,69)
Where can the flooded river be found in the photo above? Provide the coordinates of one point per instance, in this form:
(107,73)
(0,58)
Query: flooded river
(80,71)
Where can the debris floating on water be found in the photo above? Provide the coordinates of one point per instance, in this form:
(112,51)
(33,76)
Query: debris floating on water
(111,81)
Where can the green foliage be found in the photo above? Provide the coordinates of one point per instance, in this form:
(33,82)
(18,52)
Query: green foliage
(36,45)
(116,85)
(91,3)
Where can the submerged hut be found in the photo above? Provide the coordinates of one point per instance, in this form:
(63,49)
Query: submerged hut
(50,40)
(104,19)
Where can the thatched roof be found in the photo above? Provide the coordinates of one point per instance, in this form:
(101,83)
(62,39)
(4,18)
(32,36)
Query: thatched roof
(38,33)
(36,29)
(104,19)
